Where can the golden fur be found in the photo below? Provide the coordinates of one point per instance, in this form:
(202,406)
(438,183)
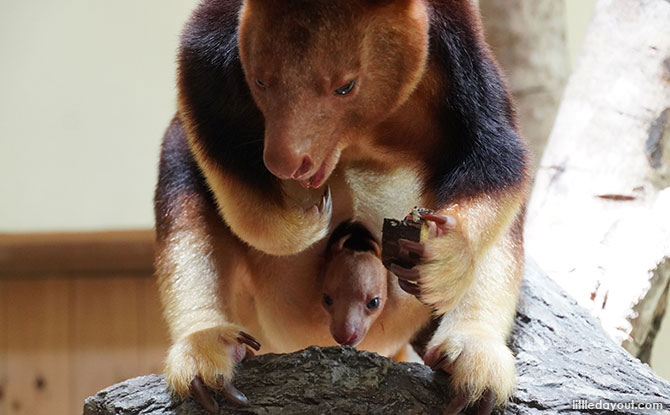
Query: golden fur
(258,269)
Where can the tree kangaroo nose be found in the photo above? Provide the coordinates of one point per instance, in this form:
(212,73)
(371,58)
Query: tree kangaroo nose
(345,335)
(304,168)
(285,159)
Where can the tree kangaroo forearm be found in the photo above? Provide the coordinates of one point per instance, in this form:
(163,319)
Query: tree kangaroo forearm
(481,223)
(187,273)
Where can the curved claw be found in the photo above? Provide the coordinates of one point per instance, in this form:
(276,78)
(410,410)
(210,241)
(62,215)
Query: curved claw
(435,362)
(249,340)
(456,405)
(407,274)
(326,204)
(234,396)
(486,403)
(203,396)
(409,288)
(439,225)
(438,360)
(445,222)
(416,248)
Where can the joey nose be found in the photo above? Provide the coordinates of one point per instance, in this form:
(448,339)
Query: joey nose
(346,336)
(352,341)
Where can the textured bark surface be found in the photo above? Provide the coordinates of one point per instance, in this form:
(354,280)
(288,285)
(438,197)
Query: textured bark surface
(562,356)
(528,39)
(598,219)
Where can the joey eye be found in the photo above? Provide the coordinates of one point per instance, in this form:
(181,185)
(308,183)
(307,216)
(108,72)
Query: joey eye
(260,84)
(345,89)
(373,304)
(327,300)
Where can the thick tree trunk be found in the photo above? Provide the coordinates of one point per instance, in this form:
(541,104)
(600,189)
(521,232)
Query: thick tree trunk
(565,363)
(528,39)
(599,217)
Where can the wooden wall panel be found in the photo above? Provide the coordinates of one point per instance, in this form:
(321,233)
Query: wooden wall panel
(78,313)
(38,329)
(3,348)
(76,253)
(105,347)
(73,336)
(154,339)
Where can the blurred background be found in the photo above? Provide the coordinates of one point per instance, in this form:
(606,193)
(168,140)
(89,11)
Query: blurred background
(87,88)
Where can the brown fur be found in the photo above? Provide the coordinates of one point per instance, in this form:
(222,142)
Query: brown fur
(384,82)
(380,151)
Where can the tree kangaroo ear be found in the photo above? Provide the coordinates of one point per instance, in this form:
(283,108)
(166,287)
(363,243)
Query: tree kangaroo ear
(339,245)
(376,248)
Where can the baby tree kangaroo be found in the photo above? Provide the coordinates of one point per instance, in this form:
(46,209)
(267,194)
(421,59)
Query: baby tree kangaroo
(354,283)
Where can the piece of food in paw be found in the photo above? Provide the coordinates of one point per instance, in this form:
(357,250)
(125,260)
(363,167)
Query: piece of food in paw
(412,228)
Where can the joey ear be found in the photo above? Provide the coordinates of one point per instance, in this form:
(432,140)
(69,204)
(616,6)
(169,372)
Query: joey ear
(339,246)
(376,248)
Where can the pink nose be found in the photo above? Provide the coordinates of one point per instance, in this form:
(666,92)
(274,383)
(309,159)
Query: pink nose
(304,168)
(346,337)
(288,166)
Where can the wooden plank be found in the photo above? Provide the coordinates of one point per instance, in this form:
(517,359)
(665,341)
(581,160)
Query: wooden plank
(154,339)
(37,344)
(97,252)
(3,348)
(106,335)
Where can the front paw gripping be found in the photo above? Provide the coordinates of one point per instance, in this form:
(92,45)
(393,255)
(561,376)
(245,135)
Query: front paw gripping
(206,359)
(443,263)
(481,367)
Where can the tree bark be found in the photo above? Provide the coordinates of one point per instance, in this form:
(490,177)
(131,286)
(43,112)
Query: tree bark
(598,220)
(564,362)
(529,41)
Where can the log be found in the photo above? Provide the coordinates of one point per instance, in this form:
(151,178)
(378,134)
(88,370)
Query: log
(564,361)
(528,38)
(598,219)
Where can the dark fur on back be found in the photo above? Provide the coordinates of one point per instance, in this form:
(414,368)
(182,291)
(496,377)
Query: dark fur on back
(481,150)
(211,82)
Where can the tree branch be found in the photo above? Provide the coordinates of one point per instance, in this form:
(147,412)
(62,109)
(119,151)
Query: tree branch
(563,356)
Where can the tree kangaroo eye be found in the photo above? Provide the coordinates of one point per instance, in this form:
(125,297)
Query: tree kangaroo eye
(373,304)
(327,300)
(345,89)
(260,84)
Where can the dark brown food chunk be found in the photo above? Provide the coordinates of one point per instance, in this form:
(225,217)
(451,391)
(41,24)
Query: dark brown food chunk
(411,228)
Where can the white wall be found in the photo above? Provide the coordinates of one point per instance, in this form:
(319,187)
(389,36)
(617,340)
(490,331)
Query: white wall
(578,15)
(86,90)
